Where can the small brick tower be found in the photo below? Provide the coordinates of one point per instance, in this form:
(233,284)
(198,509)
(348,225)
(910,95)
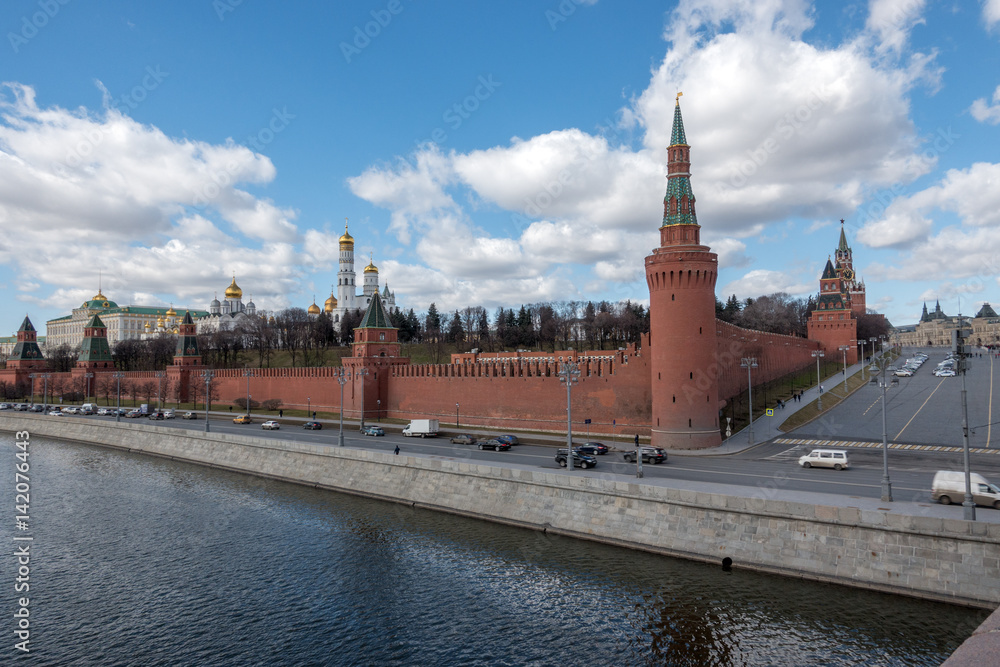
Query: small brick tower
(26,354)
(376,349)
(681,275)
(94,350)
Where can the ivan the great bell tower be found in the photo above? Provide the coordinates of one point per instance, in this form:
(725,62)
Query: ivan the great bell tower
(681,275)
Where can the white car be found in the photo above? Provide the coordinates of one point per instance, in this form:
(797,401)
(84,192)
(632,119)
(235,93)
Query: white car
(944,373)
(826,458)
(903,373)
(55,413)
(168,414)
(270,426)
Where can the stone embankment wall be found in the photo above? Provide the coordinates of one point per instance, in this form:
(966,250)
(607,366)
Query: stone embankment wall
(942,559)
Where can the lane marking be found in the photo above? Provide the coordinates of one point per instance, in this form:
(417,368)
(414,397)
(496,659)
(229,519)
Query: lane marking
(919,409)
(989,416)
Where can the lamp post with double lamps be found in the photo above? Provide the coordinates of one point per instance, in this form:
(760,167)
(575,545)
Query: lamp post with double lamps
(362,372)
(159,388)
(118,375)
(748,363)
(33,376)
(569,374)
(864,364)
(208,394)
(343,377)
(819,354)
(88,376)
(886,484)
(249,374)
(45,391)
(844,349)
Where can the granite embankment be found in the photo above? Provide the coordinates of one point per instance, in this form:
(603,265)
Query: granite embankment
(943,559)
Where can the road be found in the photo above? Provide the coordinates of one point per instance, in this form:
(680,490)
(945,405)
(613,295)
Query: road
(766,466)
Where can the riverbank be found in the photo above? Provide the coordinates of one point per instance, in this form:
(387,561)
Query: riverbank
(860,544)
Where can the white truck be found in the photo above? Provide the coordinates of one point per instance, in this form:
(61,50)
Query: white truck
(949,487)
(425,428)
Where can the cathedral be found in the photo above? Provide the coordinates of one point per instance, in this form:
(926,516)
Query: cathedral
(226,315)
(345,298)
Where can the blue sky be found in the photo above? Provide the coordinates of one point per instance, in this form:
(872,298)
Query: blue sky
(492,153)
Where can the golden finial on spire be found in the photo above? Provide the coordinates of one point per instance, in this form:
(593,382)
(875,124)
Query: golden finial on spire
(677,99)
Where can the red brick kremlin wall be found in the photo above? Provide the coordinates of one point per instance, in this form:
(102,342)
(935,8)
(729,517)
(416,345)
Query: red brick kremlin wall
(500,390)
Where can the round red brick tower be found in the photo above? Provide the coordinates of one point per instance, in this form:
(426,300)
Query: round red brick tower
(681,275)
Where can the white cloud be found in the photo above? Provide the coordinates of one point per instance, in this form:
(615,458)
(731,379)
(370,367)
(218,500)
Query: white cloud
(991,12)
(984,112)
(892,20)
(761,282)
(972,193)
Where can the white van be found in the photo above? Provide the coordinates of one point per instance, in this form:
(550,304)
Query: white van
(825,458)
(89,406)
(949,487)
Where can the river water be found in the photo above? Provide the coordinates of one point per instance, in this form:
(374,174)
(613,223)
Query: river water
(145,561)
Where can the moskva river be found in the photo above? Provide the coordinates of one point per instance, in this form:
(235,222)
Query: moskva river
(144,561)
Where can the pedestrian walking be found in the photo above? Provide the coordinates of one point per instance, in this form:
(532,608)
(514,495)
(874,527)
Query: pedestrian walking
(281,413)
(397,450)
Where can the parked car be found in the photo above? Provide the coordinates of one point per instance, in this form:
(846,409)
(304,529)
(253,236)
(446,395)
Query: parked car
(242,419)
(649,455)
(826,458)
(37,408)
(903,373)
(593,448)
(944,373)
(270,425)
(55,412)
(70,410)
(21,407)
(134,414)
(580,460)
(85,411)
(372,430)
(168,414)
(464,439)
(508,439)
(189,415)
(494,444)
(5,406)
(313,426)
(156,416)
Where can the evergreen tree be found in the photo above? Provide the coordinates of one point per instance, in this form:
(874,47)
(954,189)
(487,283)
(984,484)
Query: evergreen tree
(456,333)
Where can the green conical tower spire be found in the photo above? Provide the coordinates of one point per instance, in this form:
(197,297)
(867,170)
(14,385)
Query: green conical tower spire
(842,246)
(678,204)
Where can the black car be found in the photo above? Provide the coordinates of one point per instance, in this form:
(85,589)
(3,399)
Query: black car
(580,460)
(649,455)
(313,426)
(508,439)
(593,448)
(494,444)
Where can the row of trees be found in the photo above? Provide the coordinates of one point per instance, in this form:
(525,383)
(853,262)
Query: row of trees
(317,340)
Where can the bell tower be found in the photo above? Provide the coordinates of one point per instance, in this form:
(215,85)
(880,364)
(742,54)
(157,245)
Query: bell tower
(681,275)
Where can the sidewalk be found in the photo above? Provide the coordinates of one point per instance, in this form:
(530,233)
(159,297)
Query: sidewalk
(766,428)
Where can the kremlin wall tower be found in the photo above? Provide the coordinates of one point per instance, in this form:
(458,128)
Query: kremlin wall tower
(674,388)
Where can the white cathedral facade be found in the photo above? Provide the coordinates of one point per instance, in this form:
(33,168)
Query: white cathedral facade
(345,298)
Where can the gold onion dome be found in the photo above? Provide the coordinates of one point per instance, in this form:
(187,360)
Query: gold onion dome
(330,304)
(234,291)
(147,325)
(171,312)
(371,268)
(159,322)
(99,296)
(314,309)
(346,241)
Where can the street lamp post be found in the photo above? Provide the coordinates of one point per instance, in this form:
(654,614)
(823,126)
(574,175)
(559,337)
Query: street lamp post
(819,354)
(249,374)
(342,377)
(886,484)
(208,392)
(159,389)
(87,390)
(45,391)
(362,372)
(864,363)
(309,407)
(569,375)
(456,417)
(748,363)
(844,349)
(118,402)
(378,409)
